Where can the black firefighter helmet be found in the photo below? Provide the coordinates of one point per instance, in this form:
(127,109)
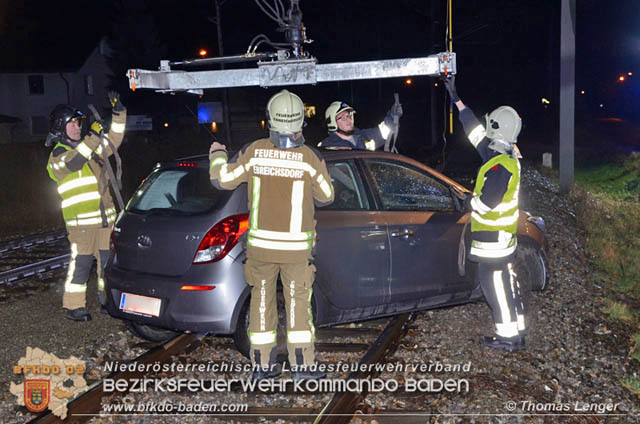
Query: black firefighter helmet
(60,116)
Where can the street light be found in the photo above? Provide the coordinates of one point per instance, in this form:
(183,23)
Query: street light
(202,52)
(621,78)
(408,81)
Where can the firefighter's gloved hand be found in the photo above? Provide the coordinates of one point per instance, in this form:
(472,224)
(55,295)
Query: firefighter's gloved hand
(467,203)
(114,99)
(396,110)
(215,146)
(450,84)
(97,128)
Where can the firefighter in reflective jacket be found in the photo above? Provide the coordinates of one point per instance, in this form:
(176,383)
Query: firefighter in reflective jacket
(343,133)
(284,179)
(76,165)
(494,217)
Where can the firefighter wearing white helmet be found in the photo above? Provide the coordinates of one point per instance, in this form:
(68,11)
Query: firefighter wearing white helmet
(284,178)
(494,217)
(343,133)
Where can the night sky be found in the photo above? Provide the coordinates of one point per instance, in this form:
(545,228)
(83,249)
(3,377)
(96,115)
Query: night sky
(507,50)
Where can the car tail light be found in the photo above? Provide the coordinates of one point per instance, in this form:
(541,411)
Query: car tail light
(197,288)
(112,242)
(221,238)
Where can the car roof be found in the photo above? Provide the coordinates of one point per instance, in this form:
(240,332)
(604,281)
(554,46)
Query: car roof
(332,154)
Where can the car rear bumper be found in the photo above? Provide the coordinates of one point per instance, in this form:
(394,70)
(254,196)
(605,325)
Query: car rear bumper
(212,311)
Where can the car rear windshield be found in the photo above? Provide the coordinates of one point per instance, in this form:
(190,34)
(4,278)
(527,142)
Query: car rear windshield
(176,192)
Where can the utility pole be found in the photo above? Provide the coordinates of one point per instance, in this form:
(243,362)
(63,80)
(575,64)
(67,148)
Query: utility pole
(433,93)
(225,91)
(567,92)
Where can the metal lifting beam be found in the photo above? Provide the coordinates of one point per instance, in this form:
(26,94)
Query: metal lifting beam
(289,72)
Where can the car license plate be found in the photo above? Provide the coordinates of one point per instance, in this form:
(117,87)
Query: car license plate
(136,304)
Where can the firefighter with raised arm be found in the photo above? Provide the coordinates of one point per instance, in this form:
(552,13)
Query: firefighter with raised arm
(494,217)
(76,164)
(284,178)
(340,119)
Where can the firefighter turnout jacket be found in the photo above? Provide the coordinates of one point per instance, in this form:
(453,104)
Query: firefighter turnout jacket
(282,187)
(77,172)
(362,139)
(494,216)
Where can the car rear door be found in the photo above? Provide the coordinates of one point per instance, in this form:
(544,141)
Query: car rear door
(424,228)
(352,252)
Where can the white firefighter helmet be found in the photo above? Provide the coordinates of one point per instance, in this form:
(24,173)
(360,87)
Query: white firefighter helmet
(285,112)
(333,110)
(504,124)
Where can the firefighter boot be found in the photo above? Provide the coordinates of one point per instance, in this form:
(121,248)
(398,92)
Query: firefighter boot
(78,314)
(510,344)
(262,372)
(302,371)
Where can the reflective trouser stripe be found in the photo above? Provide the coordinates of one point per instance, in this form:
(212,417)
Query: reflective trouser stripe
(299,336)
(292,306)
(70,287)
(503,298)
(507,328)
(262,338)
(100,283)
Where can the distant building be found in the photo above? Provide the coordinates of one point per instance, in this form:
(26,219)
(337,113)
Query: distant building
(28,95)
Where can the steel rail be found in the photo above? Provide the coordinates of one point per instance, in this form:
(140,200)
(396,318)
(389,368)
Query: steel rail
(87,405)
(30,241)
(26,271)
(342,406)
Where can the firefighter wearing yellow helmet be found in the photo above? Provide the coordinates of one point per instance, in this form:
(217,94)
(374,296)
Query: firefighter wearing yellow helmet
(340,119)
(284,178)
(76,165)
(494,217)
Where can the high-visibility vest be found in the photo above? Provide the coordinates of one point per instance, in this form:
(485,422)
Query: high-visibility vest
(80,195)
(503,217)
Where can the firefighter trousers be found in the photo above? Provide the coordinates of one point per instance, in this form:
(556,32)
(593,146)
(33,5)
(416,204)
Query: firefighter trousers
(297,279)
(85,245)
(501,290)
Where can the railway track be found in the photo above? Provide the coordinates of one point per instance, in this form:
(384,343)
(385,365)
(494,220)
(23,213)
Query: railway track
(36,255)
(376,342)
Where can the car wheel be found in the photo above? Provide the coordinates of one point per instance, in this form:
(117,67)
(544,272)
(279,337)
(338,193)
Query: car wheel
(527,271)
(536,263)
(241,336)
(149,332)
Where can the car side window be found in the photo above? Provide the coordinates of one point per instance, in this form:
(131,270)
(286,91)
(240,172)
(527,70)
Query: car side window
(403,187)
(349,195)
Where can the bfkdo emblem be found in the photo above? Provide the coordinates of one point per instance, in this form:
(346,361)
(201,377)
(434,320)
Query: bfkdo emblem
(36,394)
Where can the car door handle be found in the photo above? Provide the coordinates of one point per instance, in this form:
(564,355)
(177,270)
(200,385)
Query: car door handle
(405,233)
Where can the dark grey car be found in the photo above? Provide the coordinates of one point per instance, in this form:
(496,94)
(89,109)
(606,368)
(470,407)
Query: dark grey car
(394,240)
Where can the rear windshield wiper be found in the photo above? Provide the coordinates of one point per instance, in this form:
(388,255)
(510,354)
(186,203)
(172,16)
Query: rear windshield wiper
(161,211)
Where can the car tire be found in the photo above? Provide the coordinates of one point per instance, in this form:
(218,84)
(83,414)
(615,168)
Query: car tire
(149,332)
(241,335)
(527,267)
